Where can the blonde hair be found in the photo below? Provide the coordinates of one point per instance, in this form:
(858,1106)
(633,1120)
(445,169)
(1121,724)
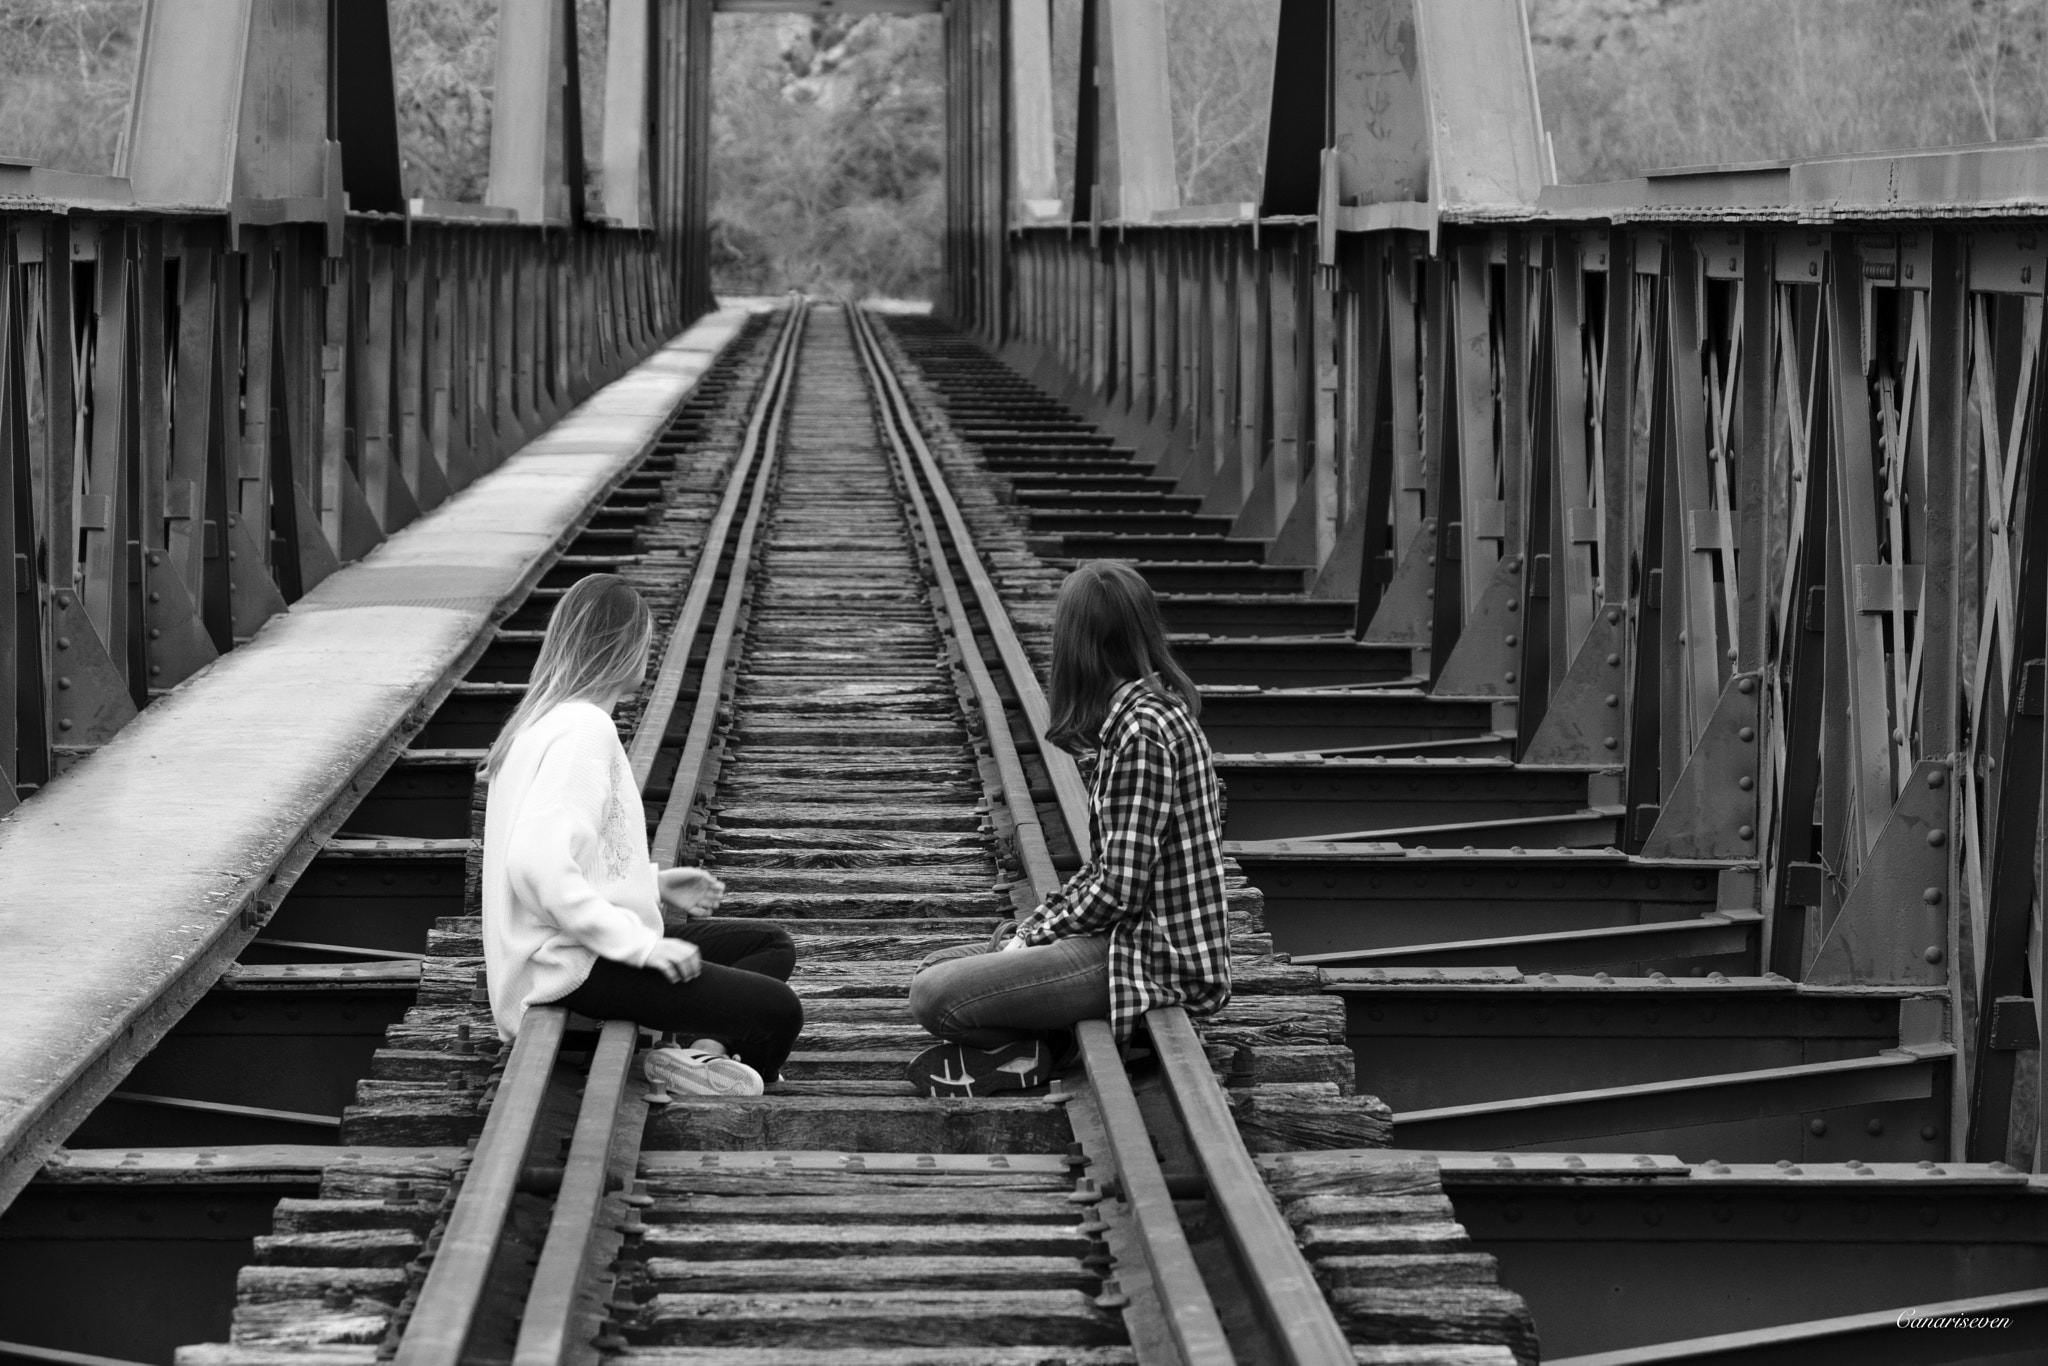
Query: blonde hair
(596,643)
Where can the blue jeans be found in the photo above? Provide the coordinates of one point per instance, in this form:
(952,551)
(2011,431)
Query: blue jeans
(985,999)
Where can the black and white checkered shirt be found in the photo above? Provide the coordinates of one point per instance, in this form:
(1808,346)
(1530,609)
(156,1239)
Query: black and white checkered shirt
(1155,883)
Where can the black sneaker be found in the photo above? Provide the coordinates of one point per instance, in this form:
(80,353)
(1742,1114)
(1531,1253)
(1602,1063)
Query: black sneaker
(954,1069)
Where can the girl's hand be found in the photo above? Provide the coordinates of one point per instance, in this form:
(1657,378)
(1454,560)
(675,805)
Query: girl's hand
(692,891)
(676,960)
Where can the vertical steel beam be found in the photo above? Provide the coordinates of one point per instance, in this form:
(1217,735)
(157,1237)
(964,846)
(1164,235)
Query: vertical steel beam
(1488,145)
(1379,118)
(180,142)
(1298,120)
(532,114)
(627,75)
(1031,110)
(16,574)
(1135,130)
(366,106)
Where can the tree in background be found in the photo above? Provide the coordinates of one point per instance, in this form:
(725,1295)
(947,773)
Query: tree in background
(1632,85)
(65,70)
(444,65)
(828,155)
(1219,71)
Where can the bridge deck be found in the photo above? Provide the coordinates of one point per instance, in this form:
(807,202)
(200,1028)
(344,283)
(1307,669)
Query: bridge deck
(133,865)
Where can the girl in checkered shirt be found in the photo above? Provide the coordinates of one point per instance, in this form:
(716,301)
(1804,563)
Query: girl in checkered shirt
(1142,923)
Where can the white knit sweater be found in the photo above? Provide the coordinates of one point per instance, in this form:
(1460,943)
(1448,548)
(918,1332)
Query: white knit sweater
(566,877)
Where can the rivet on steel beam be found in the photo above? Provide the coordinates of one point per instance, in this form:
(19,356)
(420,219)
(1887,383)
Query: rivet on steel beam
(1874,1127)
(1745,782)
(1932,896)
(1817,1127)
(1933,953)
(1937,838)
(1614,661)
(1746,733)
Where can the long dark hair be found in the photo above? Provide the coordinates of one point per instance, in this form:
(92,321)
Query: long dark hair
(1106,631)
(596,643)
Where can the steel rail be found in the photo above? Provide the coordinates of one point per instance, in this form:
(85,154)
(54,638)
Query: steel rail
(1184,1298)
(1066,778)
(547,1328)
(550,1320)
(718,657)
(1271,1269)
(667,683)
(441,1324)
(1283,1289)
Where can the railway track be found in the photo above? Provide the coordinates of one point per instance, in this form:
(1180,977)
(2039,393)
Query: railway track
(1520,991)
(844,724)
(851,581)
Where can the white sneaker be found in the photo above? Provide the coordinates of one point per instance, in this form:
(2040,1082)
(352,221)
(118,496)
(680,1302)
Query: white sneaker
(697,1073)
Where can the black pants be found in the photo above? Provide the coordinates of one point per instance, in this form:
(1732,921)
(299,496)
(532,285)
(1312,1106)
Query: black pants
(741,998)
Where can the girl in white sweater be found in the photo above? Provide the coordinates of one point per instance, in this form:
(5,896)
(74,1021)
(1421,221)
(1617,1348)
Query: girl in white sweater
(572,905)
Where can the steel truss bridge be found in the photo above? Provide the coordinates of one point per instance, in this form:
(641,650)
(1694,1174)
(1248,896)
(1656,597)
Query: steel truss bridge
(1622,611)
